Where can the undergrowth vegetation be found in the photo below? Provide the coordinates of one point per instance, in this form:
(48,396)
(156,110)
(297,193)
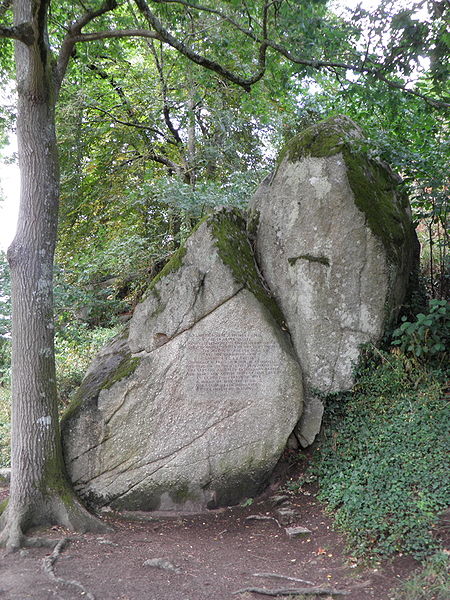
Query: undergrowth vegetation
(383,459)
(431,583)
(427,337)
(5,428)
(75,346)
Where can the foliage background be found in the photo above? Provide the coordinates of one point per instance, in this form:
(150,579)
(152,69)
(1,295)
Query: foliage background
(150,142)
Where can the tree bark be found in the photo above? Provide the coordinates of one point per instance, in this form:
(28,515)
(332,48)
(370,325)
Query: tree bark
(39,492)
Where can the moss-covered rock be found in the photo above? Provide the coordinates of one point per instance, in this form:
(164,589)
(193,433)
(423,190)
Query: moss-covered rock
(107,366)
(322,139)
(375,187)
(336,245)
(173,264)
(196,406)
(125,369)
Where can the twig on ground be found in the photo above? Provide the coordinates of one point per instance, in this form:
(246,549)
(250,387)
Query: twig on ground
(314,591)
(276,576)
(48,566)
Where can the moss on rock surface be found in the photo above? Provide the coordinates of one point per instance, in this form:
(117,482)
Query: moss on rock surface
(175,263)
(102,370)
(374,186)
(126,368)
(229,232)
(325,138)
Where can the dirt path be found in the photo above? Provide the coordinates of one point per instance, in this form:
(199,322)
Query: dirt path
(202,557)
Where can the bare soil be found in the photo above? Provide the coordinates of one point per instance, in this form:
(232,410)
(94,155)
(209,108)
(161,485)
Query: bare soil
(207,556)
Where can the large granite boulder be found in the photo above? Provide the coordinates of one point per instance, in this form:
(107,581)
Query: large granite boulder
(336,245)
(192,405)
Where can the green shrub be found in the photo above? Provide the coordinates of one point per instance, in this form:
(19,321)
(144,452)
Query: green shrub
(428,337)
(383,460)
(75,347)
(5,428)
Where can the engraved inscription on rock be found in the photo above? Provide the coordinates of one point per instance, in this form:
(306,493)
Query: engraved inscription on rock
(231,362)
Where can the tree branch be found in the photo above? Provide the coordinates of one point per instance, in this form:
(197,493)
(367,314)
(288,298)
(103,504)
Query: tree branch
(165,161)
(118,33)
(364,69)
(90,15)
(23,33)
(166,108)
(69,42)
(374,71)
(213,11)
(130,124)
(190,53)
(125,103)
(151,155)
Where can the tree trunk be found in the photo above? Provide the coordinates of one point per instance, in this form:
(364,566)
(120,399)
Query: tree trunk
(40,492)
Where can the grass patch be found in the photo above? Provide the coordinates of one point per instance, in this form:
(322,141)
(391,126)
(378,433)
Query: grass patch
(383,459)
(431,583)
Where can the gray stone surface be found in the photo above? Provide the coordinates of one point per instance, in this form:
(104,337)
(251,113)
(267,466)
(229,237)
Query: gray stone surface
(193,405)
(336,245)
(286,515)
(295,532)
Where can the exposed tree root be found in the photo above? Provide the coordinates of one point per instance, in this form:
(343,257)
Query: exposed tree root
(12,538)
(11,535)
(71,514)
(38,542)
(313,591)
(48,564)
(276,576)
